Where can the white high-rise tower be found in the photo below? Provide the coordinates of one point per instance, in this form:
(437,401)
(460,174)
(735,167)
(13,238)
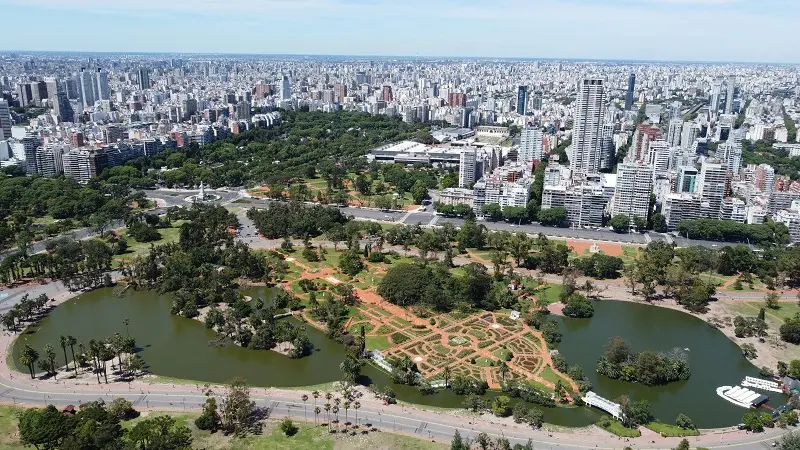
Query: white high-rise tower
(5,120)
(587,136)
(531,146)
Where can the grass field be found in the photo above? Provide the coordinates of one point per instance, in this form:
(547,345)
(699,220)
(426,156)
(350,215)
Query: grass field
(620,430)
(549,375)
(551,293)
(309,437)
(378,343)
(136,248)
(671,430)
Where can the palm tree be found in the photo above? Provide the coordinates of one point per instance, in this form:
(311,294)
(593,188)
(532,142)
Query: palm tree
(335,410)
(328,414)
(316,414)
(106,354)
(71,341)
(346,408)
(127,322)
(315,394)
(447,373)
(356,406)
(28,356)
(94,352)
(63,341)
(117,343)
(305,399)
(50,355)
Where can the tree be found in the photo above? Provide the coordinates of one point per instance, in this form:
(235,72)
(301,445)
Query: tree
(790,330)
(683,445)
(620,223)
(753,422)
(72,341)
(617,350)
(553,217)
(684,421)
(28,357)
(789,441)
(634,413)
(43,428)
(419,192)
(458,443)
(350,262)
(162,433)
(501,406)
(237,408)
(50,357)
(659,223)
(771,300)
(209,420)
(351,368)
(122,409)
(492,212)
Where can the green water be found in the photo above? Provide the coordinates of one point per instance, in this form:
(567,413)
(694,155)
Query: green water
(715,360)
(177,347)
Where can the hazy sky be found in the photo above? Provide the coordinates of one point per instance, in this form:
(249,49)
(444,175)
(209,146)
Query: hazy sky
(706,30)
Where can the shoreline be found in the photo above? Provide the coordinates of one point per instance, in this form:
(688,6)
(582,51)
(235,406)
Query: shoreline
(592,432)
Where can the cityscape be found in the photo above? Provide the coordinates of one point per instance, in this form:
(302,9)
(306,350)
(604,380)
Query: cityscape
(220,248)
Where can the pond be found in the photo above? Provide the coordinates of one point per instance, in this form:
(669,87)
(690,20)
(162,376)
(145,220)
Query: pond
(177,347)
(715,360)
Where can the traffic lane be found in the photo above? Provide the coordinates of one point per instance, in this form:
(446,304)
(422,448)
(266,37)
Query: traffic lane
(419,218)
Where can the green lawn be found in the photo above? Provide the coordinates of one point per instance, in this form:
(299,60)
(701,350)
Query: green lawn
(671,430)
(549,375)
(8,428)
(378,343)
(620,430)
(136,248)
(501,353)
(787,309)
(484,362)
(550,293)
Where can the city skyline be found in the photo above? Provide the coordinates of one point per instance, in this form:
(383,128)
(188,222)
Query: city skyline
(568,29)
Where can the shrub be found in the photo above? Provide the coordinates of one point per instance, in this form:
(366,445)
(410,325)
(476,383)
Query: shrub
(122,409)
(288,427)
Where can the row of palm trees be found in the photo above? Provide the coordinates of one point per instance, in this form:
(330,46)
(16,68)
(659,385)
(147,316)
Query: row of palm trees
(98,353)
(333,404)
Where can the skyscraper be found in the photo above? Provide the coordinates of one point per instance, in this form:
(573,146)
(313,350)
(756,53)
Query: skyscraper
(531,146)
(63,107)
(522,99)
(587,140)
(144,79)
(103,92)
(86,88)
(30,143)
(629,94)
(5,120)
(729,96)
(466,167)
(286,89)
(713,185)
(632,194)
(674,133)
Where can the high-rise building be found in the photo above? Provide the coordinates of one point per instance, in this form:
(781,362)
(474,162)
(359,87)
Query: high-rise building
(536,101)
(87,87)
(83,165)
(144,79)
(588,128)
(687,180)
(688,135)
(63,108)
(731,153)
(466,167)
(30,144)
(644,134)
(531,146)
(286,89)
(765,178)
(522,99)
(103,91)
(5,120)
(729,96)
(716,90)
(659,156)
(457,99)
(340,92)
(632,194)
(629,94)
(713,186)
(608,150)
(674,132)
(386,94)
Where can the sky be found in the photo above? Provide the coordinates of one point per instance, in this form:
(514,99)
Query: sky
(668,30)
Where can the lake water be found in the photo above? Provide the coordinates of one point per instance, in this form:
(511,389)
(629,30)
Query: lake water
(177,347)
